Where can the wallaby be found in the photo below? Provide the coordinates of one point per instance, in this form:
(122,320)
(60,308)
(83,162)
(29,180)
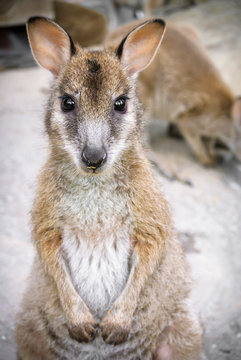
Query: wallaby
(109,280)
(183,87)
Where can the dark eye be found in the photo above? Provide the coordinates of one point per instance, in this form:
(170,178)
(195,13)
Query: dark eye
(120,105)
(67,104)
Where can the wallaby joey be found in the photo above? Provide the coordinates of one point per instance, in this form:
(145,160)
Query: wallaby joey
(109,280)
(183,87)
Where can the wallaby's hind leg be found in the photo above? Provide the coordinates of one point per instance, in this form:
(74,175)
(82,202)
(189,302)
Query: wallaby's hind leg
(200,151)
(181,340)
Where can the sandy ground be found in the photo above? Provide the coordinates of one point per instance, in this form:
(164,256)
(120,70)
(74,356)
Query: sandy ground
(206,214)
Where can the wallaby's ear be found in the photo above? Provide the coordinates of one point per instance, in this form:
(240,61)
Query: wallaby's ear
(236,112)
(138,48)
(50,44)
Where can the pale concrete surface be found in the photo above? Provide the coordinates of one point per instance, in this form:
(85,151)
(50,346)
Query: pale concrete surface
(207,214)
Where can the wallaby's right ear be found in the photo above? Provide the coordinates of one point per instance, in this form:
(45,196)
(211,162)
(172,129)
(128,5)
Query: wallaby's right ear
(51,46)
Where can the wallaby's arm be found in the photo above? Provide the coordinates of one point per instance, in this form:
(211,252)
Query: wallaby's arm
(146,255)
(48,239)
(152,228)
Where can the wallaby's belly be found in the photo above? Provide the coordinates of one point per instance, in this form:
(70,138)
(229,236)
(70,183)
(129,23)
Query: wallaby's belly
(98,266)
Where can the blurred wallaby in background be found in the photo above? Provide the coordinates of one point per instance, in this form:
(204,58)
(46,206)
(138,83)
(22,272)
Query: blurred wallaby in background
(183,86)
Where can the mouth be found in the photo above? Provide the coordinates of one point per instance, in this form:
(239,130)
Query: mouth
(93,170)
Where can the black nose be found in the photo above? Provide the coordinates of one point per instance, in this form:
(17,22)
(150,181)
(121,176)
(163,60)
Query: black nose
(94,157)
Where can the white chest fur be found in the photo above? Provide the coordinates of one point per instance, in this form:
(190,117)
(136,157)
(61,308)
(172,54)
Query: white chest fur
(96,242)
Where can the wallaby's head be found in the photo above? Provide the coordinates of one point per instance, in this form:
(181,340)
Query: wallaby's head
(93,114)
(236,136)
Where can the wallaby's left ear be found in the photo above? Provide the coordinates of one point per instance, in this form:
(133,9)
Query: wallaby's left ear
(139,47)
(51,46)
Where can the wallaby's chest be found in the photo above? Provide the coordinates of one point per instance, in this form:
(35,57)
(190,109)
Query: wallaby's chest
(96,243)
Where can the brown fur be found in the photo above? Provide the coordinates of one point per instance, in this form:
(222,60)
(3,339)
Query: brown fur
(183,87)
(151,317)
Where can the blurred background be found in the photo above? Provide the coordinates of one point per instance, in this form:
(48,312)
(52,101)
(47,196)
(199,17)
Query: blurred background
(205,202)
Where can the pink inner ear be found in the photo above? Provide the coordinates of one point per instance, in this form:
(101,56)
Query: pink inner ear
(50,45)
(141,45)
(137,57)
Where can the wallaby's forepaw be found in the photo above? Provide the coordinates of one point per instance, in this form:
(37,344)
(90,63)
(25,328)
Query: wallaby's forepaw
(82,328)
(113,331)
(114,334)
(84,332)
